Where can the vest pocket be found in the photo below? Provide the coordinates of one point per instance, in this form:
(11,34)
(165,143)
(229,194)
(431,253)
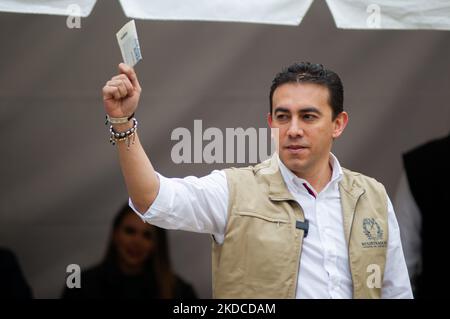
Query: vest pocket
(272,219)
(268,242)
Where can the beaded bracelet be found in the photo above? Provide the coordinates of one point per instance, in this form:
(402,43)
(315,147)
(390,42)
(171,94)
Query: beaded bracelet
(124,136)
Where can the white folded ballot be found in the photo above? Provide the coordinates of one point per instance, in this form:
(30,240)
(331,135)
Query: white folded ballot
(129,44)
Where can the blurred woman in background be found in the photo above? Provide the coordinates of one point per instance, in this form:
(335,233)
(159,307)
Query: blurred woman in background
(136,265)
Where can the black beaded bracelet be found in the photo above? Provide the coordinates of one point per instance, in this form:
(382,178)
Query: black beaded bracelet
(123,136)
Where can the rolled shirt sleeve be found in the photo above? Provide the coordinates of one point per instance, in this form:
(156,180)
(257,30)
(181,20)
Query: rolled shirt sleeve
(191,204)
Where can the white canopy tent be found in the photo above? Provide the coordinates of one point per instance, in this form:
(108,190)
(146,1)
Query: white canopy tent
(58,7)
(347,14)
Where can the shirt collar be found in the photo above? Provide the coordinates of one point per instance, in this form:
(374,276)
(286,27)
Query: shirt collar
(292,181)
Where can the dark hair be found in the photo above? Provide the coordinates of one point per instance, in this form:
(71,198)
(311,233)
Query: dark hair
(159,262)
(306,72)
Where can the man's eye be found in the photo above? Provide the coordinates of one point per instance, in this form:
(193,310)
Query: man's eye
(309,117)
(282,117)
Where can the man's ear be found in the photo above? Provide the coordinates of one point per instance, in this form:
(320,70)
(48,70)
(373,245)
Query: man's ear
(339,123)
(269,119)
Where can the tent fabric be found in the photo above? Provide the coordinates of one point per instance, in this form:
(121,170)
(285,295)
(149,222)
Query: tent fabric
(284,12)
(56,7)
(397,14)
(347,14)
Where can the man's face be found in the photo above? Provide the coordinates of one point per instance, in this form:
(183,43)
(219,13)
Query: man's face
(303,116)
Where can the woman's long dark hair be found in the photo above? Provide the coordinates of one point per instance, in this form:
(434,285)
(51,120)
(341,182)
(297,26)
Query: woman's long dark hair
(159,262)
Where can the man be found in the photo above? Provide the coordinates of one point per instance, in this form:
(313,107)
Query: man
(422,211)
(299,203)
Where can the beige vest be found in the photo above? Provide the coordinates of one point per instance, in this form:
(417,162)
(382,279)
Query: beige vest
(261,252)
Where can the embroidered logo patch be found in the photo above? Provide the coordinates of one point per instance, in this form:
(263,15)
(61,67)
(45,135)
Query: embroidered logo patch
(374,234)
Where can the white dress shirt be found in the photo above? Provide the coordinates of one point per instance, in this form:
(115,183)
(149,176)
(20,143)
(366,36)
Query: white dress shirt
(201,205)
(410,221)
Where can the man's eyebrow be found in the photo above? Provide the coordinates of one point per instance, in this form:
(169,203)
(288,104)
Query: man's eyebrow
(308,109)
(281,109)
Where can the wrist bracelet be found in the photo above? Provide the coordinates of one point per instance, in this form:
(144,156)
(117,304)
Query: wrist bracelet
(118,120)
(124,136)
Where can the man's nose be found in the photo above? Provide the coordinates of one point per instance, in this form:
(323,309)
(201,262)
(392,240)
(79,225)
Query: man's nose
(295,129)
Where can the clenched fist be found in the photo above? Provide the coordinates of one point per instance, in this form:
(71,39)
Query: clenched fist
(121,93)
